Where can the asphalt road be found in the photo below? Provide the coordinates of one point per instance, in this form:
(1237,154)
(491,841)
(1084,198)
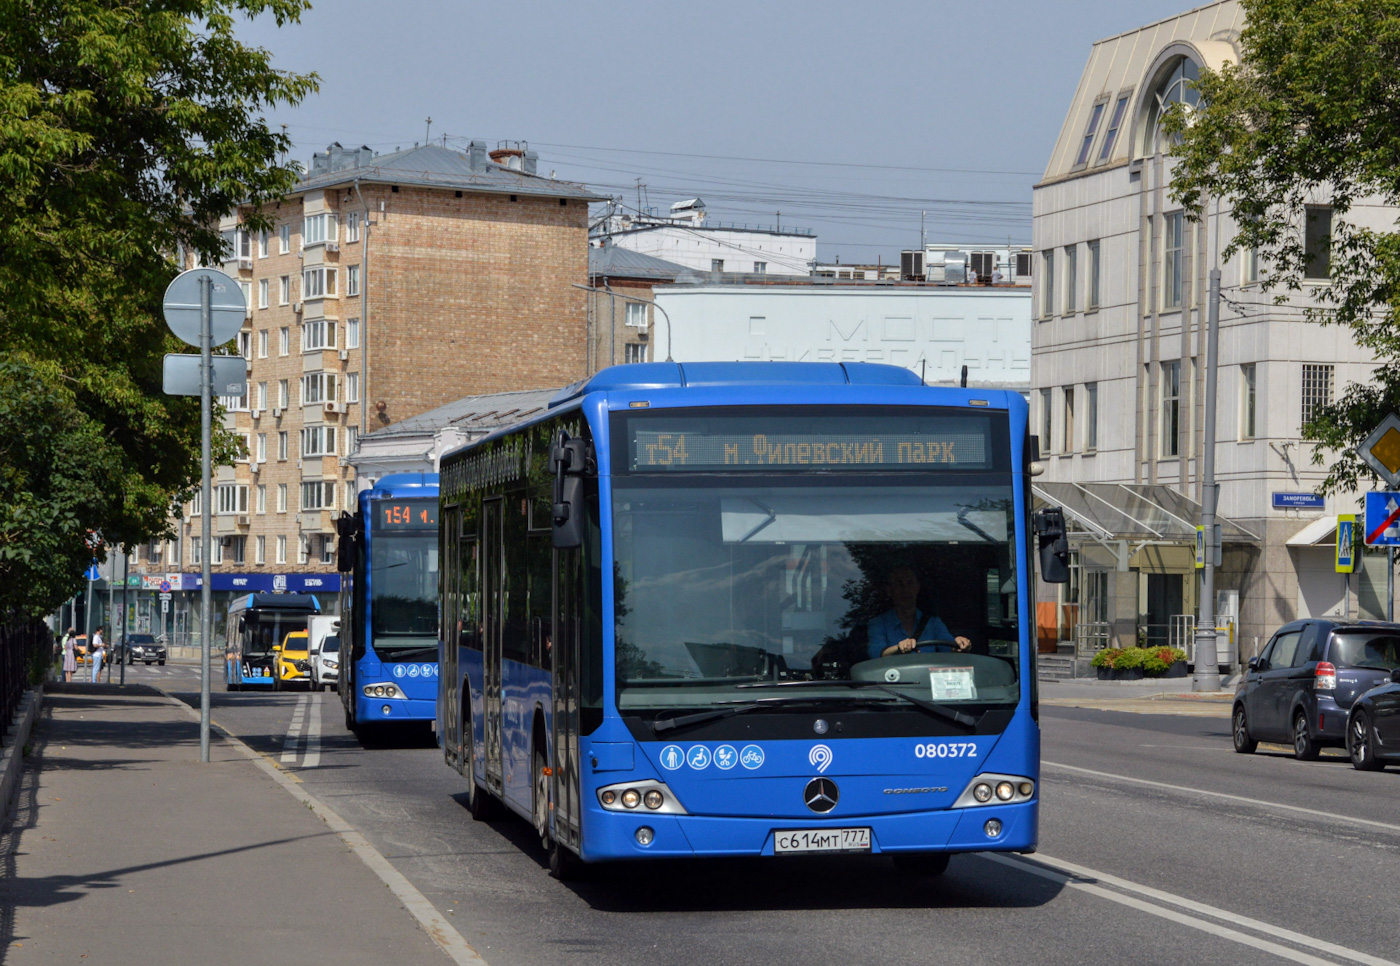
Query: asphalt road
(1158,845)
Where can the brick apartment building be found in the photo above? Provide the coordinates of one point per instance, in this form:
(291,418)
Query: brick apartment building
(388,285)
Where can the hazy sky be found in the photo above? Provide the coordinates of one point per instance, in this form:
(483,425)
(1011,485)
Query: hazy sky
(849,119)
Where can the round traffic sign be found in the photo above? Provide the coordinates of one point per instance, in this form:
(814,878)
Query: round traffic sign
(182,304)
(165,586)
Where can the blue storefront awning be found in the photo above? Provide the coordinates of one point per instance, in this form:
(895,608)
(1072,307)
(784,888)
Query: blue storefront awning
(266,583)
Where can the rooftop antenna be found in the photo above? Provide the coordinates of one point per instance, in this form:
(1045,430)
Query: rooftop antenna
(429,135)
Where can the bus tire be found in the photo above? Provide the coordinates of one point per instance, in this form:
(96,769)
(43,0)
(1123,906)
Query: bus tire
(349,717)
(564,865)
(921,863)
(479,801)
(539,804)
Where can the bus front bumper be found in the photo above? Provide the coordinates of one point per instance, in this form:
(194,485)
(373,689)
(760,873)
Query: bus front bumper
(613,835)
(394,709)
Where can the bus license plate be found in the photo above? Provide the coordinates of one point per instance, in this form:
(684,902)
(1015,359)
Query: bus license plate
(821,840)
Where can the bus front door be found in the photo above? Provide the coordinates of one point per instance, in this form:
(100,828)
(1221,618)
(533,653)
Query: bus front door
(568,586)
(492,605)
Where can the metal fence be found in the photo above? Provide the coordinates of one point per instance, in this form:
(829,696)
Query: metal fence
(23,645)
(1090,637)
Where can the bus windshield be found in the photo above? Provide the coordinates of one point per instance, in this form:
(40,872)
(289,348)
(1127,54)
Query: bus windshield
(403,588)
(721,585)
(264,629)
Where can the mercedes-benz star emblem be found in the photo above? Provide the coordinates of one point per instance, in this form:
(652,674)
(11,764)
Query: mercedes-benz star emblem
(821,794)
(819,726)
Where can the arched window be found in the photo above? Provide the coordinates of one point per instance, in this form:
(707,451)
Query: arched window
(1175,87)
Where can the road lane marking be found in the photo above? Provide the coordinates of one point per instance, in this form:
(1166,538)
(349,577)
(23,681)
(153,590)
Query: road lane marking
(292,740)
(434,923)
(313,734)
(1093,882)
(1311,812)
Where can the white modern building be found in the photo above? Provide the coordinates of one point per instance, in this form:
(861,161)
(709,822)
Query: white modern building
(688,237)
(929,329)
(1120,321)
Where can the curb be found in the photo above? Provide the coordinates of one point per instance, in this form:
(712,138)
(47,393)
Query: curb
(12,759)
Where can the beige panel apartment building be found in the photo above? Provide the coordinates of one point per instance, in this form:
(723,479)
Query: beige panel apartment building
(388,285)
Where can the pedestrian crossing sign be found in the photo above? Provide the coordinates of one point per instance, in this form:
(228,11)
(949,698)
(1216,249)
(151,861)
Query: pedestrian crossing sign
(1346,543)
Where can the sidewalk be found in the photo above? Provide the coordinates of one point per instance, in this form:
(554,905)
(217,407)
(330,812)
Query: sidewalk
(125,848)
(1148,696)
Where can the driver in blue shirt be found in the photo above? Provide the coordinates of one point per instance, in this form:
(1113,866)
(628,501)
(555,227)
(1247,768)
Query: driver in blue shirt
(899,629)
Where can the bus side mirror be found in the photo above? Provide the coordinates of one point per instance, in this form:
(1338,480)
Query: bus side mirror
(1049,526)
(347,527)
(568,458)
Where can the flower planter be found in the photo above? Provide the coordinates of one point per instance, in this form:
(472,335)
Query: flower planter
(1176,670)
(1127,674)
(1104,673)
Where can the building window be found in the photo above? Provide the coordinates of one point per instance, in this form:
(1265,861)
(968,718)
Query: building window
(284,239)
(232,498)
(1115,123)
(195,504)
(216,551)
(318,495)
(153,549)
(1069,444)
(262,396)
(1171,408)
(350,495)
(1046,440)
(318,441)
(716,264)
(284,340)
(1173,237)
(352,440)
(317,388)
(245,344)
(637,315)
(281,500)
(317,334)
(1247,401)
(262,293)
(352,280)
(284,289)
(237,548)
(303,551)
(196,550)
(262,344)
(1071,278)
(634,352)
(1317,243)
(1025,263)
(237,244)
(1091,299)
(1177,87)
(1047,283)
(262,447)
(281,394)
(327,549)
(352,226)
(1317,390)
(282,446)
(260,551)
(760,268)
(262,498)
(317,229)
(352,387)
(262,243)
(317,282)
(1091,417)
(352,333)
(281,550)
(1090,130)
(234,404)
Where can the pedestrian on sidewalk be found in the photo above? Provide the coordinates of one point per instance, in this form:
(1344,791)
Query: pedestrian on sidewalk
(96,653)
(70,659)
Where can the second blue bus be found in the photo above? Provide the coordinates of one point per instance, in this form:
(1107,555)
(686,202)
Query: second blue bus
(389,603)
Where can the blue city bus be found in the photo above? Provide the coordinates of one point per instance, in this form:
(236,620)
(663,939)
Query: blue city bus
(256,624)
(762,609)
(388,554)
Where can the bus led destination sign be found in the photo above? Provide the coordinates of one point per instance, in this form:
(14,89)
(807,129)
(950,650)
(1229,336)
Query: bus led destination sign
(707,451)
(405,515)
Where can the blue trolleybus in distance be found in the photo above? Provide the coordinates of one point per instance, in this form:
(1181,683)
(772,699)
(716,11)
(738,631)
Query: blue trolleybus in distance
(388,554)
(256,624)
(762,609)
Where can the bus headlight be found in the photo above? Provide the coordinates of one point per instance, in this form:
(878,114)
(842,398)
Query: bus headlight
(381,691)
(626,796)
(996,790)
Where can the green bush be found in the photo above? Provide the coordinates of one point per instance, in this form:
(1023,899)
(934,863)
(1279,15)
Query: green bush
(1105,657)
(1157,660)
(1128,658)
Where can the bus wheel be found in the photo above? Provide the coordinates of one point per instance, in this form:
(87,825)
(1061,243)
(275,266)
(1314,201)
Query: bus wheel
(921,863)
(479,801)
(349,717)
(541,800)
(230,686)
(276,680)
(563,864)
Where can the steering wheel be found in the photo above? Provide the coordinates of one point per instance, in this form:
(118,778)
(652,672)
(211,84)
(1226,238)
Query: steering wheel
(937,644)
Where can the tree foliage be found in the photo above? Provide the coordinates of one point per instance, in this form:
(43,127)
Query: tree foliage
(1311,115)
(126,131)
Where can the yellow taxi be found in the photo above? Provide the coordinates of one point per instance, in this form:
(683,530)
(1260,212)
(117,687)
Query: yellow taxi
(291,663)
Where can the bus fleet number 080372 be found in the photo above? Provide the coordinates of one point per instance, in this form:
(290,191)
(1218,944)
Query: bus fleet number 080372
(946,749)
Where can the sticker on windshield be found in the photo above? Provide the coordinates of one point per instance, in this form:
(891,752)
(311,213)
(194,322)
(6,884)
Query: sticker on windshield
(726,757)
(672,757)
(699,757)
(952,683)
(751,757)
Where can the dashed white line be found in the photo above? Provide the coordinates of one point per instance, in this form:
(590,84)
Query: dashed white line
(292,741)
(313,734)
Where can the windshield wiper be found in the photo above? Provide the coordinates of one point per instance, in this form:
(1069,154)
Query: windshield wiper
(399,652)
(937,710)
(686,720)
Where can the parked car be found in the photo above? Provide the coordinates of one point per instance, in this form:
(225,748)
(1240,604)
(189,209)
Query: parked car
(1303,685)
(141,647)
(1373,727)
(80,648)
(325,664)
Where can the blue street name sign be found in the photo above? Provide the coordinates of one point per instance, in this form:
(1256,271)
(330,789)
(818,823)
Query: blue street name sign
(1299,501)
(1381,527)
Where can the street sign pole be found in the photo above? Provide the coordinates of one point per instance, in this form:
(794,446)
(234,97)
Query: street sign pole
(126,612)
(206,506)
(1390,587)
(1207,674)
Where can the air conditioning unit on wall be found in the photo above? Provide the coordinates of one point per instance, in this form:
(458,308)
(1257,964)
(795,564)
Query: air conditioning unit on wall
(334,408)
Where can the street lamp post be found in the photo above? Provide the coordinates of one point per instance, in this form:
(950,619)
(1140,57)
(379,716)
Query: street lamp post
(1207,673)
